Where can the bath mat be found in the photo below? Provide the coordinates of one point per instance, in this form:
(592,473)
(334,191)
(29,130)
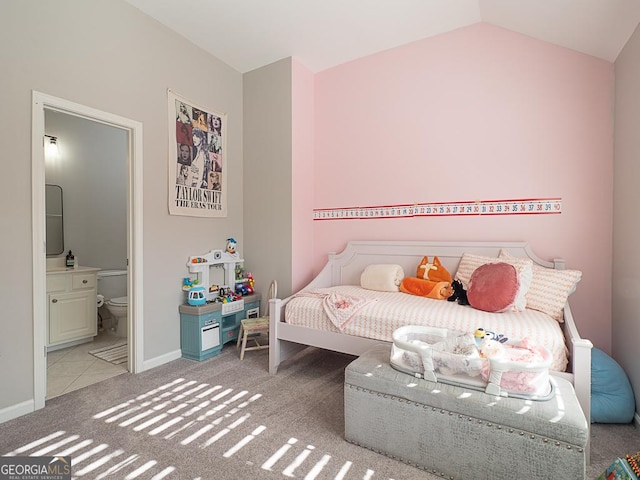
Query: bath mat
(116,354)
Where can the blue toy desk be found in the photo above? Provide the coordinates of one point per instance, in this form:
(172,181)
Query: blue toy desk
(199,325)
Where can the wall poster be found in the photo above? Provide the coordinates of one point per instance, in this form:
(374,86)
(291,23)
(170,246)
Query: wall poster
(197,160)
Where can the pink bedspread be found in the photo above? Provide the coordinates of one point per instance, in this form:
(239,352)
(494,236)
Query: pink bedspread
(387,311)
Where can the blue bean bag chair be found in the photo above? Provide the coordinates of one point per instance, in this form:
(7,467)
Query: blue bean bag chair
(612,399)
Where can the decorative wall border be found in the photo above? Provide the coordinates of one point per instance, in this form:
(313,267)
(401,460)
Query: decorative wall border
(523,206)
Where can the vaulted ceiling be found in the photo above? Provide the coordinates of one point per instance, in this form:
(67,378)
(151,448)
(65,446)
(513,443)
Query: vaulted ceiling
(247,34)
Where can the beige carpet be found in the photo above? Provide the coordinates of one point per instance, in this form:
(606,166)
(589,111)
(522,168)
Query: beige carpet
(116,354)
(226,419)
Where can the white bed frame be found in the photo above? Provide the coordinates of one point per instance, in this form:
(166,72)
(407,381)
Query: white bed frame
(345,268)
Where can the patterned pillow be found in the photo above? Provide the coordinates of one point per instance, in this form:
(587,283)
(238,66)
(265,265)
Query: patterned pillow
(524,266)
(550,288)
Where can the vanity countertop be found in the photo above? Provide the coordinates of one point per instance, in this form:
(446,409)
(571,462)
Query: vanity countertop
(58,265)
(78,269)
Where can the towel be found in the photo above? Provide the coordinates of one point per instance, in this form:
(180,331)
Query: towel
(382,277)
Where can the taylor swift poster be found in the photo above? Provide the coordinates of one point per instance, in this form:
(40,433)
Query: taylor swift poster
(197,161)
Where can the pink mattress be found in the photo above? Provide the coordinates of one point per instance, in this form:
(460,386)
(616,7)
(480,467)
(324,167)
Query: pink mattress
(377,314)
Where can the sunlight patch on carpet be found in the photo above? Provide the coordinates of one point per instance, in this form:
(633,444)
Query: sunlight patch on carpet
(98,461)
(195,416)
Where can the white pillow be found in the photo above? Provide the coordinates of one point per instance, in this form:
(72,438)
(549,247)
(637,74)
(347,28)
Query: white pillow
(524,267)
(382,277)
(550,288)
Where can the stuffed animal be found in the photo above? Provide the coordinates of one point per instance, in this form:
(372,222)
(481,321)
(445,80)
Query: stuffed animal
(459,293)
(426,288)
(481,335)
(432,281)
(231,246)
(433,271)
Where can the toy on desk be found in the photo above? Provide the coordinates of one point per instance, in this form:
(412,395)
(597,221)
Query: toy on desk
(227,295)
(239,272)
(203,263)
(231,247)
(188,283)
(196,296)
(244,282)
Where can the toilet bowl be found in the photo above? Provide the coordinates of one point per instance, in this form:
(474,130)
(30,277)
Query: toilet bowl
(112,286)
(118,308)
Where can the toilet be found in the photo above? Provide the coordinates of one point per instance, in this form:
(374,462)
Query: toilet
(112,285)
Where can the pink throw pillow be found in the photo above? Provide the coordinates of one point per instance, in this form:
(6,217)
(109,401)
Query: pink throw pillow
(493,287)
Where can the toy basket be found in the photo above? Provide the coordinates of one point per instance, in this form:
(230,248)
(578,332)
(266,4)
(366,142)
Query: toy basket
(442,355)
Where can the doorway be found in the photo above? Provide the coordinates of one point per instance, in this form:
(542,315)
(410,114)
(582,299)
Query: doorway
(42,103)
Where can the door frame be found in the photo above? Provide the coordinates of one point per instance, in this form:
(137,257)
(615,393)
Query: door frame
(40,103)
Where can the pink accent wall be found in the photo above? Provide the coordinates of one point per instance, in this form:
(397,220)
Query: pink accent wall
(478,113)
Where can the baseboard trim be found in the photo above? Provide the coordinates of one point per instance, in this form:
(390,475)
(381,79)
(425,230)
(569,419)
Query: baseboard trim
(636,419)
(17,410)
(161,360)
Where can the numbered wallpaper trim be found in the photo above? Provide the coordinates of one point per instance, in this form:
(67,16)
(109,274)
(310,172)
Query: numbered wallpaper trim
(527,206)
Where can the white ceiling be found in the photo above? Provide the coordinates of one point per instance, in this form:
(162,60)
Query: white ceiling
(247,34)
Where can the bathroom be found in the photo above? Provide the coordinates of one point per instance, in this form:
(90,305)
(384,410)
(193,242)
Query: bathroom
(90,166)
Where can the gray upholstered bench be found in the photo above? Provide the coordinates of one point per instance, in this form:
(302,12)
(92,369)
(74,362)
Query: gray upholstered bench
(460,433)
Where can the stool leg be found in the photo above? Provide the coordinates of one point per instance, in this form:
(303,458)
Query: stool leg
(244,345)
(239,336)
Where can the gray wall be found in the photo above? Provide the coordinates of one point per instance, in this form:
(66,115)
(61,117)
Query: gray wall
(92,171)
(267,174)
(626,222)
(107,55)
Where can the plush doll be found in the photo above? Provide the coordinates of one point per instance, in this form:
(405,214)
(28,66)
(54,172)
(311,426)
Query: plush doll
(481,334)
(433,271)
(459,293)
(426,288)
(432,281)
(231,246)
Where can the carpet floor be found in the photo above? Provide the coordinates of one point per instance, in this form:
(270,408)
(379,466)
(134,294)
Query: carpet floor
(226,419)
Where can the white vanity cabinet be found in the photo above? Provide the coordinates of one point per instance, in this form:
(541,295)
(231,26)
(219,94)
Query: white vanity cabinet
(72,305)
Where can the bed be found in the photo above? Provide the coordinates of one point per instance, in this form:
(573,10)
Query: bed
(345,268)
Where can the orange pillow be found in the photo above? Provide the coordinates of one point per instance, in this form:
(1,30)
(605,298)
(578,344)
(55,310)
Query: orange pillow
(493,287)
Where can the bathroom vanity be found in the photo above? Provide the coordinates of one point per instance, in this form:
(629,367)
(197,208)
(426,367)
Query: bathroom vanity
(71,306)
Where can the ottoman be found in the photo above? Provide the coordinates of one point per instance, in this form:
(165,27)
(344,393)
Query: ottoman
(459,433)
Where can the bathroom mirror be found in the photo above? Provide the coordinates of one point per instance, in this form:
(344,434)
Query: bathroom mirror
(54,220)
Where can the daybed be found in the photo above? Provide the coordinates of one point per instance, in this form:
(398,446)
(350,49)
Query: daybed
(345,269)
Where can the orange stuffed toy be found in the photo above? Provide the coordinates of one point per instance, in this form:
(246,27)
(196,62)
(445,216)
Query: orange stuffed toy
(432,280)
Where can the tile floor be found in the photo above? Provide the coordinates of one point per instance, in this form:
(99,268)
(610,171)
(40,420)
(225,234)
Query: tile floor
(72,368)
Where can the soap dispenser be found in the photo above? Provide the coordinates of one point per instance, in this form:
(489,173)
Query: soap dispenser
(70,259)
